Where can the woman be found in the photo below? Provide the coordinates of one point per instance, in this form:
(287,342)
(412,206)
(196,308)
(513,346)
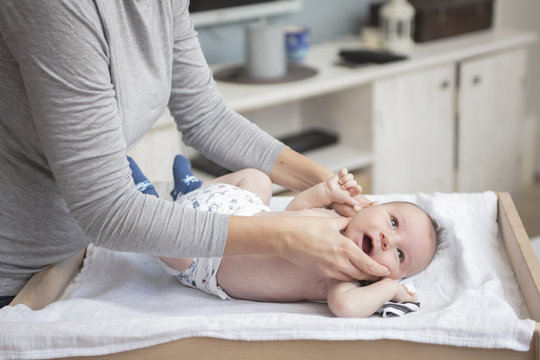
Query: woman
(80,84)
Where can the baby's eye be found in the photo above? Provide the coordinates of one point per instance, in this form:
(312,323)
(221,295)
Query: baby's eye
(394,223)
(400,255)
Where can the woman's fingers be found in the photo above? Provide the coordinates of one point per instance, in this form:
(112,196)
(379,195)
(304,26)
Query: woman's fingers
(363,267)
(355,263)
(369,266)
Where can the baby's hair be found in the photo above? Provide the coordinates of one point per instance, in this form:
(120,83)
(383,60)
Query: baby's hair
(440,236)
(439,230)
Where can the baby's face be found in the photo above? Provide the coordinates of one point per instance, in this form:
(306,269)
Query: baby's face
(396,235)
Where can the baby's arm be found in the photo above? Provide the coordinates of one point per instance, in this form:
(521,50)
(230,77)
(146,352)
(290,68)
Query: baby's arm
(339,188)
(349,299)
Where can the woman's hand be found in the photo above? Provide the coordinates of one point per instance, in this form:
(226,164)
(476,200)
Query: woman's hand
(314,243)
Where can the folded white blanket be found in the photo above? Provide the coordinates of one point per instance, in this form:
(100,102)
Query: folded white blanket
(123,301)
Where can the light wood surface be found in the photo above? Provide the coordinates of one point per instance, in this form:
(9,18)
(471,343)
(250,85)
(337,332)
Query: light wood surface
(518,246)
(211,348)
(46,286)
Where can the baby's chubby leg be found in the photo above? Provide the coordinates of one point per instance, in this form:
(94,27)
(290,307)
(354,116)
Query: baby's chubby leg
(248,179)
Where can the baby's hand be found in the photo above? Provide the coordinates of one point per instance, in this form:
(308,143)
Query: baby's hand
(342,187)
(403,294)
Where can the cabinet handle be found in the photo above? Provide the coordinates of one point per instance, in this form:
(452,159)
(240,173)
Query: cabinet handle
(445,84)
(477,79)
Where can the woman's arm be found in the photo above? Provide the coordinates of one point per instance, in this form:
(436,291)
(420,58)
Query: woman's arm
(349,299)
(296,172)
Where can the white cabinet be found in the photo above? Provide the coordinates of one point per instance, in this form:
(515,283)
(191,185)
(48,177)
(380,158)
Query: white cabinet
(491,117)
(413,132)
(416,114)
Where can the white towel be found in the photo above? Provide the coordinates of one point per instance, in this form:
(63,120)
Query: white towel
(123,301)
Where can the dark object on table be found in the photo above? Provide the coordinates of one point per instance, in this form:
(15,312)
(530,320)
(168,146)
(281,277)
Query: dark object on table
(363,56)
(436,19)
(301,142)
(309,140)
(238,74)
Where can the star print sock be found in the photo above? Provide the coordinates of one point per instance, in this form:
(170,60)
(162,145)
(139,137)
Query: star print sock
(184,180)
(141,182)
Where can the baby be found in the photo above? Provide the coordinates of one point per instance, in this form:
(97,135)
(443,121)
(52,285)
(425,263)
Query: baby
(398,235)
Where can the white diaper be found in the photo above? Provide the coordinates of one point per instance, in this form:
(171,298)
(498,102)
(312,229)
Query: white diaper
(224,199)
(202,275)
(221,198)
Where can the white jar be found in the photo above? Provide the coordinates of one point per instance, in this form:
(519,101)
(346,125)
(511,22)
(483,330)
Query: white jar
(397,22)
(265,50)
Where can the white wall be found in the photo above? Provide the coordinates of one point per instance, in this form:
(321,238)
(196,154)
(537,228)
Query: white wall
(525,14)
(328,20)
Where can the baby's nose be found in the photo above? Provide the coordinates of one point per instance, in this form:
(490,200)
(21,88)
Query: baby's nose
(385,241)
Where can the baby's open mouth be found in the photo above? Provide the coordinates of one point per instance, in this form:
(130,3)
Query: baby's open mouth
(367,244)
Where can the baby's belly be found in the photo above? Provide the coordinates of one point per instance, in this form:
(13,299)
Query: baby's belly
(269,278)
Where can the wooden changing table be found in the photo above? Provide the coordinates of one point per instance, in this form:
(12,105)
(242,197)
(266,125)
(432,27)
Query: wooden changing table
(46,286)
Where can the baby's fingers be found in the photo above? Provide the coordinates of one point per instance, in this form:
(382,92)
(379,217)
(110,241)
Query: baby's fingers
(347,183)
(343,172)
(354,190)
(409,294)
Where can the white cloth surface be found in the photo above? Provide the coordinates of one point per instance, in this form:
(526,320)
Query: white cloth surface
(123,301)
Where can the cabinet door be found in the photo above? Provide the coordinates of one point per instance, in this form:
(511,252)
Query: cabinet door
(491,115)
(414,132)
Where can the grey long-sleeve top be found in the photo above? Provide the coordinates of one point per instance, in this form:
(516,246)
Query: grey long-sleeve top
(81,81)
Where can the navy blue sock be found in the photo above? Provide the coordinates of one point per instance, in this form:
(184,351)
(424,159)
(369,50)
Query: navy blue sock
(184,180)
(141,182)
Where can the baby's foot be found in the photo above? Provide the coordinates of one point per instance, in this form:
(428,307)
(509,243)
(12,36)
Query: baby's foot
(141,182)
(184,180)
